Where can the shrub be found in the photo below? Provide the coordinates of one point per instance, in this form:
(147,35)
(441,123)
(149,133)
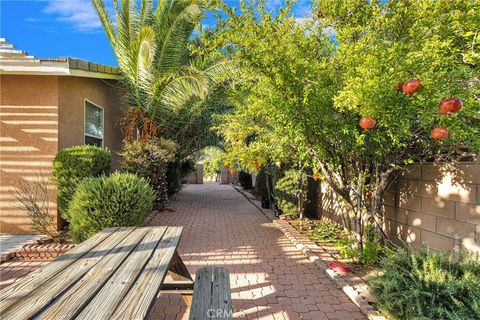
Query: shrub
(327,232)
(261,183)
(72,165)
(150,160)
(372,249)
(176,173)
(428,285)
(287,191)
(121,199)
(245,180)
(35,199)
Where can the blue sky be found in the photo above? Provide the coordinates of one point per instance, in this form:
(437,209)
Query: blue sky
(70,28)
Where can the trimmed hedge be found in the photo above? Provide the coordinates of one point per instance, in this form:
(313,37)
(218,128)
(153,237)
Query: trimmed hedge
(261,184)
(428,285)
(150,160)
(286,192)
(72,165)
(245,180)
(176,173)
(121,199)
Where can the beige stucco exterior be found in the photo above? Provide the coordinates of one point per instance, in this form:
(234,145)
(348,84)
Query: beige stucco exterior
(39,115)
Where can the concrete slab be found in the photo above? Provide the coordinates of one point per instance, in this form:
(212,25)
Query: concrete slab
(11,242)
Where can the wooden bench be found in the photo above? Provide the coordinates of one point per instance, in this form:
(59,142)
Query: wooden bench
(212,295)
(116,274)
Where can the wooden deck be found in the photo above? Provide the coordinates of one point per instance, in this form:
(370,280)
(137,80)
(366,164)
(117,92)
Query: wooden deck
(117,274)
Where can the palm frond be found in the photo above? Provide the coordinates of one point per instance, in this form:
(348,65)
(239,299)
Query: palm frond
(106,21)
(175,21)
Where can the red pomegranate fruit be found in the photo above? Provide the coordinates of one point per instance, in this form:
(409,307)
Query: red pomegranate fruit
(339,266)
(450,105)
(411,86)
(367,123)
(439,133)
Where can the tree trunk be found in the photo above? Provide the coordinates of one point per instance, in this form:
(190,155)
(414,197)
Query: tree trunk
(300,198)
(267,181)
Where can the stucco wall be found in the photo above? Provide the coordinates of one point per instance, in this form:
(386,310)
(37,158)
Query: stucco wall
(437,205)
(40,115)
(71,100)
(28,141)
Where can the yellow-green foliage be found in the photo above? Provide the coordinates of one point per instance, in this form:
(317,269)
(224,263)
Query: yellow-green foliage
(121,199)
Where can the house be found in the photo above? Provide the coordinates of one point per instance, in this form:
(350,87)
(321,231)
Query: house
(47,105)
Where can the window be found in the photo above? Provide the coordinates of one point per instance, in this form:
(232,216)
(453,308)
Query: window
(93,124)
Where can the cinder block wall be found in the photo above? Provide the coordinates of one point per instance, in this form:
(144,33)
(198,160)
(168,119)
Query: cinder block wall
(436,205)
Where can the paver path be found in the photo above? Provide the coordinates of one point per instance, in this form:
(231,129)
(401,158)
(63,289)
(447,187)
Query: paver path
(270,279)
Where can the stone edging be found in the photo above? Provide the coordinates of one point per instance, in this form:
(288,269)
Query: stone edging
(37,252)
(305,245)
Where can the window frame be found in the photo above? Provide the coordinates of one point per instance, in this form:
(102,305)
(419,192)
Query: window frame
(85,134)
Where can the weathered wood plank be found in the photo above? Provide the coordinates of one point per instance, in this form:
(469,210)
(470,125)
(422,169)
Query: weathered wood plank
(141,297)
(202,294)
(35,302)
(82,292)
(212,295)
(105,302)
(222,295)
(179,272)
(177,287)
(32,281)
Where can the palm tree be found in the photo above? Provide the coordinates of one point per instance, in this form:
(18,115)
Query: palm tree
(161,78)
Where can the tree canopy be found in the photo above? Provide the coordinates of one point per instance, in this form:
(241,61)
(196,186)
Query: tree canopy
(305,85)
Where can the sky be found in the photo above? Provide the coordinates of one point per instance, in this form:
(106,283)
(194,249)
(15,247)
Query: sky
(70,28)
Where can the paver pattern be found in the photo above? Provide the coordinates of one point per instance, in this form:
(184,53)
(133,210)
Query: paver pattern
(10,271)
(270,279)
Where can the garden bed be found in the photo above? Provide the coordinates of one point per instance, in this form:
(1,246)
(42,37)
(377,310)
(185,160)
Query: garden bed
(353,283)
(358,272)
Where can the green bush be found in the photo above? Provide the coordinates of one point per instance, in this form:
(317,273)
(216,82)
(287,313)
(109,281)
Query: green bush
(245,180)
(428,285)
(121,199)
(261,183)
(150,160)
(372,250)
(176,173)
(72,165)
(327,232)
(287,192)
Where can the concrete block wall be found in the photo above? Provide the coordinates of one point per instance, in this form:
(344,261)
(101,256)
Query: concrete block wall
(437,205)
(196,177)
(432,204)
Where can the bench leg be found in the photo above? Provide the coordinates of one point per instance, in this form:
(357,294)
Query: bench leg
(179,272)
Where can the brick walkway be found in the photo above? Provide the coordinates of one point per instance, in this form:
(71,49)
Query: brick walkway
(12,270)
(270,279)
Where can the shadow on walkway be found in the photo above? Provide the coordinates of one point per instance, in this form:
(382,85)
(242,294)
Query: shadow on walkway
(270,279)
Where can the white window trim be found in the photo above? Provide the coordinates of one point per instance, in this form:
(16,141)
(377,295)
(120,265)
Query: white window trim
(85,121)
